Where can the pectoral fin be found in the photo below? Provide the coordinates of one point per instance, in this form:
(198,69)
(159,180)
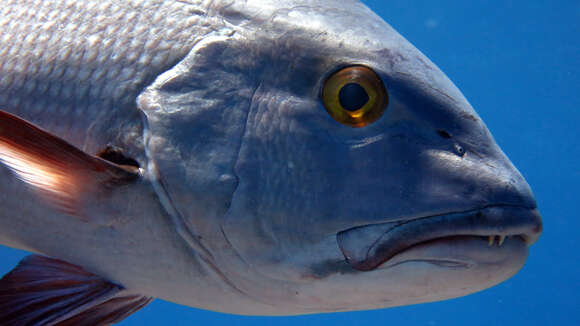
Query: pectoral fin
(46,291)
(61,173)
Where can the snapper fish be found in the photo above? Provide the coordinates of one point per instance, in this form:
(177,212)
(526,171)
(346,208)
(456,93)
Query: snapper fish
(257,157)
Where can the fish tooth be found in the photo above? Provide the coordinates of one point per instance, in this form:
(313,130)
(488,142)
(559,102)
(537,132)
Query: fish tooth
(491,240)
(526,239)
(501,239)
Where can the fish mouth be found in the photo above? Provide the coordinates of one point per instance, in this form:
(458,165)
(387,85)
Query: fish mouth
(367,247)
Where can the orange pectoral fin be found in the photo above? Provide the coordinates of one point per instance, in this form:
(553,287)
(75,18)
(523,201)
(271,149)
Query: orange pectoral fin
(61,173)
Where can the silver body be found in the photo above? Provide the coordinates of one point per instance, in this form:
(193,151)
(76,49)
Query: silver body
(247,180)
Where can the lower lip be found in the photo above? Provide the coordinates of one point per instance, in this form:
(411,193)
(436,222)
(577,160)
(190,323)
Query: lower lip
(460,252)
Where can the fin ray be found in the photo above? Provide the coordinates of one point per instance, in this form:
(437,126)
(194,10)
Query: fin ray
(110,312)
(60,172)
(47,291)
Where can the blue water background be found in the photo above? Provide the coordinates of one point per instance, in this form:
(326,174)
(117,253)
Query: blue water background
(518,63)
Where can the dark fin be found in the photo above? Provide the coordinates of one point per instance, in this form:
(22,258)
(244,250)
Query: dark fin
(66,176)
(47,291)
(110,312)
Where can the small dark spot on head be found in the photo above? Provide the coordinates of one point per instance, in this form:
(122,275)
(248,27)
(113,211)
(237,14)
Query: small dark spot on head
(443,134)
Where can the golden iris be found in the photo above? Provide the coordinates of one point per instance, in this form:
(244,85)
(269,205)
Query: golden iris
(355,96)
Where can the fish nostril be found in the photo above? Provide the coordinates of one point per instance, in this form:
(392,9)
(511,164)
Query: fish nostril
(459,150)
(443,134)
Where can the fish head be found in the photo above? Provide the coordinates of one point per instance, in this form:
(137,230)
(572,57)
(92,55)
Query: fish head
(308,211)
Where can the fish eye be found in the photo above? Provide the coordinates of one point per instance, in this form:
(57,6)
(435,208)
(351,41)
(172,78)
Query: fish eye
(355,96)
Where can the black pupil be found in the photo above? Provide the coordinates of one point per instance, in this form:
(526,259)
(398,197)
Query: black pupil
(353,97)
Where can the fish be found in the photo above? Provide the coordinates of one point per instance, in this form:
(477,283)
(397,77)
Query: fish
(251,157)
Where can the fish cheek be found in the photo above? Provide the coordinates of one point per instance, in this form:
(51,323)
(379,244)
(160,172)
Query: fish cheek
(298,186)
(282,181)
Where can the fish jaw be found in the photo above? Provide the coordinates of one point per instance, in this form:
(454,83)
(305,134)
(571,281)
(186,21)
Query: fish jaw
(443,269)
(368,247)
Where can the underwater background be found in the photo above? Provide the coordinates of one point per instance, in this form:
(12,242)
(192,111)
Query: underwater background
(518,63)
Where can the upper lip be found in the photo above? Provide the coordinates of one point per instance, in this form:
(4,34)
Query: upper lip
(367,247)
